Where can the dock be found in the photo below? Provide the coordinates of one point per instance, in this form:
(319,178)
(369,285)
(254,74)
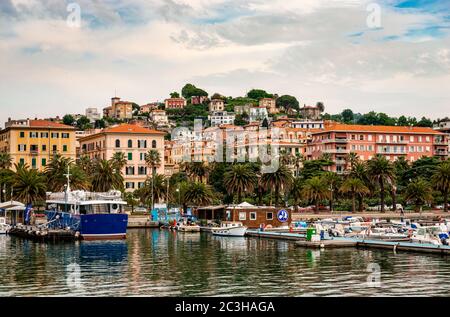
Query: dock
(333,244)
(138,221)
(43,235)
(276,235)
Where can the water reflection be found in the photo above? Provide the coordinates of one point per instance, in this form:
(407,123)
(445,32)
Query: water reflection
(166,263)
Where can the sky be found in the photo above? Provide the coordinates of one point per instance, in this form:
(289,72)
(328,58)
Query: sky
(389,56)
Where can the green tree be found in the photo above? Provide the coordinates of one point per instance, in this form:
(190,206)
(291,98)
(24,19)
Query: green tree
(130,198)
(316,190)
(29,185)
(196,170)
(5,160)
(119,161)
(277,182)
(196,194)
(288,102)
(174,95)
(105,177)
(382,172)
(6,182)
(258,94)
(333,182)
(153,160)
(56,175)
(68,119)
(441,181)
(190,90)
(355,187)
(419,192)
(240,179)
(84,123)
(347,116)
(320,106)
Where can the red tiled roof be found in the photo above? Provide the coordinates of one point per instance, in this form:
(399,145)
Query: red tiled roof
(131,128)
(378,128)
(48,124)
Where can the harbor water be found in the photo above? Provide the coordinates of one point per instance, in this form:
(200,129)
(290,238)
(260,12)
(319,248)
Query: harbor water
(154,262)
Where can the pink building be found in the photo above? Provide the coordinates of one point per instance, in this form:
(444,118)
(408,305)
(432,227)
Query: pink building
(338,140)
(175,103)
(135,141)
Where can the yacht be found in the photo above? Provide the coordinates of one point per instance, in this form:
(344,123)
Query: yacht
(230,229)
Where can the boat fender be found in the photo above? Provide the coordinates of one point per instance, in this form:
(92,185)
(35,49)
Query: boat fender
(77,234)
(322,246)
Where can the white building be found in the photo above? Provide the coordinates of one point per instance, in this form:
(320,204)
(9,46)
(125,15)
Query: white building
(258,114)
(221,117)
(308,124)
(92,114)
(159,117)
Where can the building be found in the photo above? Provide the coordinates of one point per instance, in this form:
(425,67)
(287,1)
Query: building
(119,109)
(148,107)
(159,117)
(133,140)
(216,105)
(35,142)
(175,103)
(308,124)
(92,114)
(107,112)
(412,143)
(270,104)
(221,117)
(242,109)
(258,114)
(198,100)
(311,112)
(444,127)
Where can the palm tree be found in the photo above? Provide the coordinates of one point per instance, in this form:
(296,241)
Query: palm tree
(359,171)
(441,181)
(332,180)
(56,171)
(239,179)
(131,200)
(418,192)
(154,189)
(316,190)
(6,182)
(119,161)
(351,159)
(277,182)
(354,187)
(196,194)
(29,184)
(196,170)
(153,160)
(86,164)
(5,160)
(296,191)
(105,177)
(382,172)
(298,161)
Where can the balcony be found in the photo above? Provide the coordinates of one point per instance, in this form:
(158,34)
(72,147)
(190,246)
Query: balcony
(337,151)
(441,153)
(391,152)
(34,152)
(335,141)
(391,142)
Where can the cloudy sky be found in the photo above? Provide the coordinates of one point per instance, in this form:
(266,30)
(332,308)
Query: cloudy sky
(317,50)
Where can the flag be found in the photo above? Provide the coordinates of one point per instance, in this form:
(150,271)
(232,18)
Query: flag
(27,214)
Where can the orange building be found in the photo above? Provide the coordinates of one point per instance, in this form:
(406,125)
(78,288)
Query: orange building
(175,103)
(338,140)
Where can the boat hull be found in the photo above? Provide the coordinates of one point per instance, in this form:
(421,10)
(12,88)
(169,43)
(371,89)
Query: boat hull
(94,226)
(229,232)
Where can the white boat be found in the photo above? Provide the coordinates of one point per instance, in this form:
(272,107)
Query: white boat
(230,229)
(4,227)
(428,235)
(187,227)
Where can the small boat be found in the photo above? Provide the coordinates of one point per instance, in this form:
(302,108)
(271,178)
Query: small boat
(4,227)
(187,227)
(230,229)
(430,235)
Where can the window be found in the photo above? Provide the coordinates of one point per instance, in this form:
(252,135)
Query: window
(361,137)
(129,185)
(44,162)
(54,148)
(64,148)
(44,147)
(129,170)
(44,135)
(154,144)
(130,143)
(33,162)
(369,137)
(117,143)
(22,161)
(22,147)
(33,135)
(65,135)
(269,216)
(55,135)
(142,156)
(142,144)
(242,215)
(130,156)
(253,215)
(141,184)
(33,148)
(22,134)
(142,170)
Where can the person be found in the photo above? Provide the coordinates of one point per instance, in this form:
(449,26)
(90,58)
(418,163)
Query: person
(402,214)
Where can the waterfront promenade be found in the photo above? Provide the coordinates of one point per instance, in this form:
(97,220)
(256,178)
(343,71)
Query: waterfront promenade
(429,214)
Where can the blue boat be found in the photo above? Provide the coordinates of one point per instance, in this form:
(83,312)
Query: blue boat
(93,216)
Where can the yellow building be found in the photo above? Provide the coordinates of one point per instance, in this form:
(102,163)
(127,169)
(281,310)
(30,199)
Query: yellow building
(35,142)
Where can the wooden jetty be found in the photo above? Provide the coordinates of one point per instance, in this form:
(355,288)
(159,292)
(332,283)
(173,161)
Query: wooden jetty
(275,235)
(326,244)
(44,235)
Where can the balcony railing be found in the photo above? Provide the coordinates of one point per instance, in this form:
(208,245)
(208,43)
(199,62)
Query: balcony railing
(34,152)
(392,152)
(335,141)
(337,151)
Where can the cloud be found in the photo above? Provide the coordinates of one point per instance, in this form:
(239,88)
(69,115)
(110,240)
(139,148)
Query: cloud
(313,49)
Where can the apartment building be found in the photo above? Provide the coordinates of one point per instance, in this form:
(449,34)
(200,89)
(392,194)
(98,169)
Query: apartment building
(175,103)
(35,142)
(270,104)
(133,140)
(338,140)
(221,117)
(92,114)
(258,114)
(216,105)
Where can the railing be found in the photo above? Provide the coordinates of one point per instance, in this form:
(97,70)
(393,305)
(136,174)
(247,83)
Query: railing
(333,151)
(85,196)
(335,141)
(392,152)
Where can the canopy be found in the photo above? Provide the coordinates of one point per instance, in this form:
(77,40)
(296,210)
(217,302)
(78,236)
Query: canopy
(10,204)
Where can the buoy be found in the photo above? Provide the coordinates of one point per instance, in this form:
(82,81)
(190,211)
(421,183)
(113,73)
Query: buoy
(322,246)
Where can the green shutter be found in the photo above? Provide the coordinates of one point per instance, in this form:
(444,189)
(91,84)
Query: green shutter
(130,156)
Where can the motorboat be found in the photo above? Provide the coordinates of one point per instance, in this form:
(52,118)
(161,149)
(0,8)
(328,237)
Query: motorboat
(430,235)
(187,226)
(4,227)
(230,229)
